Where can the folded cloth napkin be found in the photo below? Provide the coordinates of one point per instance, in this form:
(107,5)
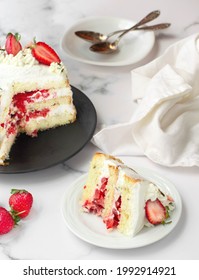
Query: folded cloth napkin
(165,125)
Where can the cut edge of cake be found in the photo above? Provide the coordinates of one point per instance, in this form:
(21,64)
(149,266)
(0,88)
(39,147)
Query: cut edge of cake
(35,93)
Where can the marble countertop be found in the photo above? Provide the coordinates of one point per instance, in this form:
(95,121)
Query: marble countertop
(44,234)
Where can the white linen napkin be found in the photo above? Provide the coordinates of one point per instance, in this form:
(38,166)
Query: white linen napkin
(165,126)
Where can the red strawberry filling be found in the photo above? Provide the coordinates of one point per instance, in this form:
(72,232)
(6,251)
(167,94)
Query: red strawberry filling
(113,220)
(18,111)
(97,204)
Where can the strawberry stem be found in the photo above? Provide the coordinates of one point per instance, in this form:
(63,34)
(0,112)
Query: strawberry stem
(15,216)
(17,36)
(13,191)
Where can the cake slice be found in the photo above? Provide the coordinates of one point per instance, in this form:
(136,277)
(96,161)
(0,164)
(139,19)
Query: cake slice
(35,93)
(99,188)
(124,199)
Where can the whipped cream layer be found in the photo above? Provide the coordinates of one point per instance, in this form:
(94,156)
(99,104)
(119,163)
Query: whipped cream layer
(38,76)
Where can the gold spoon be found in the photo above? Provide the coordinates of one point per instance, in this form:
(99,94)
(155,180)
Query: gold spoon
(107,47)
(96,37)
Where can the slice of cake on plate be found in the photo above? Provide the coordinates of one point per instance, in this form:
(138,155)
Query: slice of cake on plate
(124,199)
(34,91)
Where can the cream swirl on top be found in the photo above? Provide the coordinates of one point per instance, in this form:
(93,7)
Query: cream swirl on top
(25,58)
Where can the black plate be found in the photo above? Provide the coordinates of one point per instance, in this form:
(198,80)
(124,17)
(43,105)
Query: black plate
(56,145)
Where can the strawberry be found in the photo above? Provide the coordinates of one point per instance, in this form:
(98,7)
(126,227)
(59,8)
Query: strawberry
(12,44)
(44,53)
(6,221)
(20,202)
(155,211)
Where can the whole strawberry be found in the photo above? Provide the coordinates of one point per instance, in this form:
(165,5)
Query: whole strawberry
(6,221)
(20,202)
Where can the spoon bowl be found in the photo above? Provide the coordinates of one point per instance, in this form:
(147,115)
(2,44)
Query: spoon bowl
(105,47)
(91,36)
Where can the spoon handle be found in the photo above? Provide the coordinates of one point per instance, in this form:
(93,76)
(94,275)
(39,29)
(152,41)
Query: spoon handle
(151,16)
(154,27)
(146,27)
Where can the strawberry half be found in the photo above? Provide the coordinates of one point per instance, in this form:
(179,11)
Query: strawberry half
(20,202)
(12,45)
(44,53)
(155,212)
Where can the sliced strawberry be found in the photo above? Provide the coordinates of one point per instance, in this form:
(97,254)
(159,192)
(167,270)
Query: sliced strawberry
(155,211)
(44,53)
(12,44)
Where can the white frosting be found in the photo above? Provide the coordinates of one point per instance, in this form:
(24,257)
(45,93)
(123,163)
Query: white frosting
(25,58)
(11,75)
(153,193)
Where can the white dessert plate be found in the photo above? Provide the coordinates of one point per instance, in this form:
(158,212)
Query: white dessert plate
(91,229)
(133,47)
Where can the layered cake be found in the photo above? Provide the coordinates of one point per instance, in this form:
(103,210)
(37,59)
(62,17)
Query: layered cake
(124,199)
(34,91)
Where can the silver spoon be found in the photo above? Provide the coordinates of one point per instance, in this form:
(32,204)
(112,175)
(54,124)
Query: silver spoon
(95,37)
(107,47)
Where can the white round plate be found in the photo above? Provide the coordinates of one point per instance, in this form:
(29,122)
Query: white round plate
(91,229)
(133,47)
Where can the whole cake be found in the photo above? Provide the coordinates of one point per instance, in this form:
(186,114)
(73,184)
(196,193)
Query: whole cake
(124,199)
(34,91)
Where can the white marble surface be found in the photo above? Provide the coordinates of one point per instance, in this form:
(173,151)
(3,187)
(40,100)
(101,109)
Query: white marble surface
(44,235)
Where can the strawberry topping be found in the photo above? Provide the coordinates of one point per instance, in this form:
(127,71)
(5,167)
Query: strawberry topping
(44,53)
(12,44)
(155,211)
